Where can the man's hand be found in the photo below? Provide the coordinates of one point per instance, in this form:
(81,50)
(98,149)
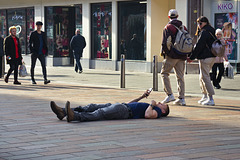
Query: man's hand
(146,94)
(154,103)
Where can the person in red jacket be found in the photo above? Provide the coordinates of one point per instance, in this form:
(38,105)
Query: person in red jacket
(12,50)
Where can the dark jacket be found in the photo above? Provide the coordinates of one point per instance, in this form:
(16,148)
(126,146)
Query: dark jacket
(170,30)
(34,43)
(202,48)
(10,50)
(77,44)
(1,47)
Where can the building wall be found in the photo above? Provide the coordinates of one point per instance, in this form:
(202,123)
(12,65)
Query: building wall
(157,12)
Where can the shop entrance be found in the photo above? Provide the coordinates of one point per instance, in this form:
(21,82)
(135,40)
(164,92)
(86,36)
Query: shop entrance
(60,26)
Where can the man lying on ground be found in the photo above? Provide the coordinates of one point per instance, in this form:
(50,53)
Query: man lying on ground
(108,111)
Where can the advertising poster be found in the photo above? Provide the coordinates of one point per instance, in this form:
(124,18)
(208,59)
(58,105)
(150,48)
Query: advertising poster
(228,22)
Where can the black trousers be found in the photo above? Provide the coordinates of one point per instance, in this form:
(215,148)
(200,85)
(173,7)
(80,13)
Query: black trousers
(216,78)
(1,67)
(42,60)
(13,67)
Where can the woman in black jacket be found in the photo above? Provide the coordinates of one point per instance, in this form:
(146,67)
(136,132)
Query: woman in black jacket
(202,51)
(12,50)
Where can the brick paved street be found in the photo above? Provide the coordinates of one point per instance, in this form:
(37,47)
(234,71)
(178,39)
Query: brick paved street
(29,130)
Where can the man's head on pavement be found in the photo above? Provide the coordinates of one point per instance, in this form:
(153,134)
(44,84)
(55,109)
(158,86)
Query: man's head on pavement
(77,31)
(173,14)
(164,108)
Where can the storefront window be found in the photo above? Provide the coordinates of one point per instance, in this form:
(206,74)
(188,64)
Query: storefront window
(3,30)
(78,22)
(17,17)
(60,28)
(132,30)
(101,30)
(30,24)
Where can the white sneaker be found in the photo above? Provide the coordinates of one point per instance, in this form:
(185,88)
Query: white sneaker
(180,102)
(202,100)
(168,99)
(208,103)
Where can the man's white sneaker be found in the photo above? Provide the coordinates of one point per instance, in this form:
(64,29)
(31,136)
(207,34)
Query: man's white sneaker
(180,102)
(202,100)
(168,99)
(208,103)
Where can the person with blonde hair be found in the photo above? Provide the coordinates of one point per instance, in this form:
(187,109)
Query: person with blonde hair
(216,78)
(13,52)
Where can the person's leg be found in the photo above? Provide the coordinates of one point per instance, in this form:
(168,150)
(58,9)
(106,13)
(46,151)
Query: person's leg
(202,85)
(1,72)
(78,64)
(91,107)
(179,71)
(221,72)
(206,67)
(9,72)
(168,65)
(33,64)
(43,64)
(114,111)
(214,74)
(16,71)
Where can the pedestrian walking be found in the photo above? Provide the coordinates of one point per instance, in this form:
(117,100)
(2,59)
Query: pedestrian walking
(77,45)
(12,50)
(202,51)
(94,112)
(1,57)
(39,50)
(173,60)
(218,65)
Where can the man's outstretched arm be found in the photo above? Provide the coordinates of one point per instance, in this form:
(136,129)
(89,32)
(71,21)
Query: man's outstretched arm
(145,94)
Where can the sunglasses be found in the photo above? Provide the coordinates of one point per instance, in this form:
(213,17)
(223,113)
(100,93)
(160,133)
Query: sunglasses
(200,23)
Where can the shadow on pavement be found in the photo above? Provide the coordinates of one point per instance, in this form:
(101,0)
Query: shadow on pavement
(218,107)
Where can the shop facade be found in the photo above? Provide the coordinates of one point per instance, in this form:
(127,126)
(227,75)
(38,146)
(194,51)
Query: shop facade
(221,14)
(111,28)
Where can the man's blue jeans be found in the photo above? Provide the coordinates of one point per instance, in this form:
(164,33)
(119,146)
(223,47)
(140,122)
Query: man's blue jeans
(94,112)
(78,64)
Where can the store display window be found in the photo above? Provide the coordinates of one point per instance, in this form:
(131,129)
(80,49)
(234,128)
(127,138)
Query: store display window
(78,14)
(132,30)
(3,24)
(17,17)
(101,30)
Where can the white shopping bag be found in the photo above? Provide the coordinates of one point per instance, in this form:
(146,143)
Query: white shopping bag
(23,70)
(228,71)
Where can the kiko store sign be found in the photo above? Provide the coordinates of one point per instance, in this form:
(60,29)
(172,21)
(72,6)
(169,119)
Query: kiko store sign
(225,6)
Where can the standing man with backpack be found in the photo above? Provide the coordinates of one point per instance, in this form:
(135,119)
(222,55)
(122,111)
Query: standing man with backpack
(39,50)
(173,60)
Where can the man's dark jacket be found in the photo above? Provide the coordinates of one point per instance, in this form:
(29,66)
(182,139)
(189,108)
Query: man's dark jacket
(10,50)
(77,44)
(170,30)
(1,47)
(202,48)
(34,43)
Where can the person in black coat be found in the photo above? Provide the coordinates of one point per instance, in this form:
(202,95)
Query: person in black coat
(77,45)
(12,50)
(39,50)
(202,51)
(1,56)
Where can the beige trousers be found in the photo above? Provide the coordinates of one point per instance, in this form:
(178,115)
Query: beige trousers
(179,66)
(205,65)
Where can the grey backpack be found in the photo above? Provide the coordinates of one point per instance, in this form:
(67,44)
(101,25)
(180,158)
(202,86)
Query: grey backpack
(183,43)
(218,47)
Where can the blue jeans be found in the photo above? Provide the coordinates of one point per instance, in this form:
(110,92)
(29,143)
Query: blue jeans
(78,64)
(94,112)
